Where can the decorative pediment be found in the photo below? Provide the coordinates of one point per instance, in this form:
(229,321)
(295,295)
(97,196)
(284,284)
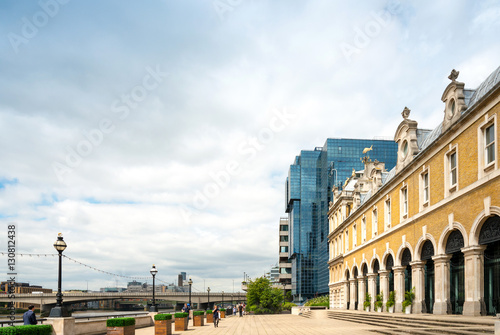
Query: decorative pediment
(406,138)
(454,100)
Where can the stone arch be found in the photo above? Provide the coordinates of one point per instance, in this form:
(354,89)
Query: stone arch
(402,247)
(478,224)
(355,271)
(364,262)
(362,267)
(347,273)
(384,258)
(446,232)
(372,262)
(420,244)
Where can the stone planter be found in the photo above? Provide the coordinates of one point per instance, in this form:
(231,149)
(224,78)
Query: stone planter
(379,309)
(181,324)
(390,309)
(367,309)
(163,327)
(408,310)
(210,318)
(198,320)
(127,330)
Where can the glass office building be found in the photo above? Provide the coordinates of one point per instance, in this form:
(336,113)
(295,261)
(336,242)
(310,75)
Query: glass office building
(308,193)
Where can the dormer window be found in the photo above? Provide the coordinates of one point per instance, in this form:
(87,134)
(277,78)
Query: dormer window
(406,137)
(454,99)
(405,149)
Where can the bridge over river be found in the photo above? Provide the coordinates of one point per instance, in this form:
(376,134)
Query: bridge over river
(47,300)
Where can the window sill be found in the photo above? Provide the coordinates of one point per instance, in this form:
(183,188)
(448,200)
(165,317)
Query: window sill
(490,167)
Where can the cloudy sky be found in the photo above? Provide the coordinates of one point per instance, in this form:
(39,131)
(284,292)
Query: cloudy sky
(161,132)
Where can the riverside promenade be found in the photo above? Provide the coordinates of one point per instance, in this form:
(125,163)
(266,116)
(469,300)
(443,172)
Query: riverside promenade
(280,324)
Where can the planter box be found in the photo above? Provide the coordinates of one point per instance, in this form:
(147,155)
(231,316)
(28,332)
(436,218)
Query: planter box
(379,309)
(367,309)
(210,318)
(408,310)
(390,309)
(163,327)
(127,330)
(181,324)
(222,314)
(198,320)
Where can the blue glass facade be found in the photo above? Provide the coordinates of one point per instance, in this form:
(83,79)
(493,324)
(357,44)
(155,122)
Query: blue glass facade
(308,193)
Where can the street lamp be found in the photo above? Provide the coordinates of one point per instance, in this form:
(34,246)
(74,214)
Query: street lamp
(222,299)
(208,303)
(59,311)
(190,282)
(153,271)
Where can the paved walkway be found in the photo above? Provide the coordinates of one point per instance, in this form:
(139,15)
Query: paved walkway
(282,324)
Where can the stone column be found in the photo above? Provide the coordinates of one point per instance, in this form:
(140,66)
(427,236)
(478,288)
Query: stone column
(442,304)
(474,280)
(361,293)
(417,281)
(345,295)
(399,287)
(352,293)
(372,288)
(384,283)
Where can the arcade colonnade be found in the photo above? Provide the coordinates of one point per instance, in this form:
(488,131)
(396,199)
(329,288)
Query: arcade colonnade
(457,272)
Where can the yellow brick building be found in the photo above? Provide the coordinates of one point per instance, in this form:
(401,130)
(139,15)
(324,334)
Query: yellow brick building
(433,222)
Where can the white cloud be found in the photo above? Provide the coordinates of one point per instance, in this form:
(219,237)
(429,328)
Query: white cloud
(120,207)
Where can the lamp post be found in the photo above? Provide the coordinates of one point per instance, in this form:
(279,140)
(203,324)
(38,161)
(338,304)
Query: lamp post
(190,282)
(208,302)
(222,299)
(153,271)
(59,311)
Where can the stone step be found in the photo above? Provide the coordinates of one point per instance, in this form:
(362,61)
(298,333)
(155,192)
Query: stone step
(399,324)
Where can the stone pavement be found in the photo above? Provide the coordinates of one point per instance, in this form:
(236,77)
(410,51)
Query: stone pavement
(281,324)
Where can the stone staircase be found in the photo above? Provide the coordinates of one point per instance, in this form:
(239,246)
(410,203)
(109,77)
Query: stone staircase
(428,324)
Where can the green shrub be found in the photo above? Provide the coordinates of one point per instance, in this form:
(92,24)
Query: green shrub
(181,315)
(209,311)
(196,313)
(319,301)
(260,310)
(409,296)
(391,300)
(159,317)
(120,322)
(379,300)
(287,306)
(368,300)
(27,330)
(222,309)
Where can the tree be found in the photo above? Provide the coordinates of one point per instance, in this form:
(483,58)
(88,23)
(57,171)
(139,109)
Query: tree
(262,297)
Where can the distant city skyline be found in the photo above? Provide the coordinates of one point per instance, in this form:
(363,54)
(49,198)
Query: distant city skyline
(161,133)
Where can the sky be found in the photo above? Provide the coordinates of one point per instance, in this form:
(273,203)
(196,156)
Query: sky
(161,132)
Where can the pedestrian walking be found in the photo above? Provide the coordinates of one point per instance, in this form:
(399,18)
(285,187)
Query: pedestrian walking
(240,309)
(216,316)
(29,317)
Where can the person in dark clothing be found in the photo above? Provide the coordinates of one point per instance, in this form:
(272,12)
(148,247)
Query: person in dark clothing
(29,317)
(216,316)
(240,309)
